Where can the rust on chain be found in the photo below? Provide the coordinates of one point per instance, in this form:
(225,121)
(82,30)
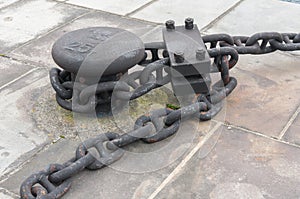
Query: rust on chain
(216,53)
(39,186)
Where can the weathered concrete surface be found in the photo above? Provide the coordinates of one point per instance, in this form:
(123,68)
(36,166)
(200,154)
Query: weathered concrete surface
(154,35)
(4,3)
(292,134)
(11,69)
(292,1)
(26,20)
(241,165)
(136,175)
(4,196)
(204,12)
(17,129)
(267,94)
(39,51)
(121,7)
(253,16)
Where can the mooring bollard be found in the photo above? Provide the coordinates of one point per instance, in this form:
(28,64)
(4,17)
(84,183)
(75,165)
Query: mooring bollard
(96,63)
(93,59)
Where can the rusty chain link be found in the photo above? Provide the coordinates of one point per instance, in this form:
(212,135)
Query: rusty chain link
(105,149)
(259,43)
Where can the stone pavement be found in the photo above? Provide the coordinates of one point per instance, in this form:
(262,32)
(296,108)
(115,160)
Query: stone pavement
(250,150)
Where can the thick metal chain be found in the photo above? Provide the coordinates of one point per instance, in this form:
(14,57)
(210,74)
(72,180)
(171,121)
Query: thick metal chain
(160,124)
(54,181)
(82,98)
(259,43)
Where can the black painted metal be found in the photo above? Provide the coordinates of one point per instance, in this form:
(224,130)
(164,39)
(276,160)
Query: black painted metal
(189,59)
(98,51)
(78,96)
(94,59)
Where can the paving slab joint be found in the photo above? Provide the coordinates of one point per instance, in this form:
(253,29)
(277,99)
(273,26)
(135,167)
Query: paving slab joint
(51,30)
(289,123)
(140,8)
(8,193)
(183,163)
(18,78)
(245,130)
(11,4)
(213,22)
(23,160)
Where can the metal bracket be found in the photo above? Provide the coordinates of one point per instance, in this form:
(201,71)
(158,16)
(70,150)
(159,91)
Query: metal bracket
(189,59)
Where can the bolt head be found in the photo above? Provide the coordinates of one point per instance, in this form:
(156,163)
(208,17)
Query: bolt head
(200,54)
(179,57)
(189,23)
(170,25)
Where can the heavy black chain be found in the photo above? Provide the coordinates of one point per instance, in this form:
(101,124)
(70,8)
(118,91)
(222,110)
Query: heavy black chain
(82,98)
(54,181)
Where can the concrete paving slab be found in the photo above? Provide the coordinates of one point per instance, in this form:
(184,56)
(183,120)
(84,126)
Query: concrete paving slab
(17,130)
(292,1)
(292,135)
(58,152)
(4,196)
(241,165)
(4,3)
(121,7)
(135,175)
(26,20)
(11,69)
(154,35)
(202,11)
(253,16)
(267,94)
(39,51)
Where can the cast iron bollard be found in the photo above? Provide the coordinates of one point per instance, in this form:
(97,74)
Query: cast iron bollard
(95,59)
(94,55)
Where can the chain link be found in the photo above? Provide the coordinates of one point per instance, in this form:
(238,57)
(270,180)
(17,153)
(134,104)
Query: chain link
(78,97)
(105,149)
(38,184)
(259,43)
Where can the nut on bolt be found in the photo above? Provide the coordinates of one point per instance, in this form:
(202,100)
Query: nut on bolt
(179,57)
(170,25)
(200,54)
(189,23)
